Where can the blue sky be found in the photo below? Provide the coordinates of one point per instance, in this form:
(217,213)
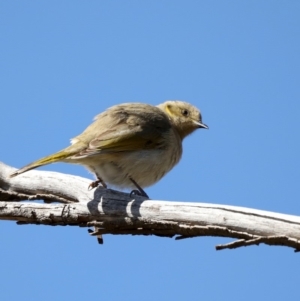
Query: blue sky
(63,62)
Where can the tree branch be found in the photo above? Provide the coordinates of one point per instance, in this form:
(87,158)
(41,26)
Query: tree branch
(113,212)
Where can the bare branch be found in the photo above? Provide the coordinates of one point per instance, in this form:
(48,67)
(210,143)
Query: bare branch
(113,212)
(268,240)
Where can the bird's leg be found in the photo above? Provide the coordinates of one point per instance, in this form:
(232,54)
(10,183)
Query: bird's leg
(139,190)
(97,182)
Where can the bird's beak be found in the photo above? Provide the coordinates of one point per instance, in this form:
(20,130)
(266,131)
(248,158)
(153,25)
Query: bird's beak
(201,125)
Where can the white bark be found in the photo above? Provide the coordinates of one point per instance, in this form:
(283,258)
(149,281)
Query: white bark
(117,213)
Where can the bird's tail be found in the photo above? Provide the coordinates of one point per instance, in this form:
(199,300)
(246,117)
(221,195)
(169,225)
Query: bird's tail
(59,156)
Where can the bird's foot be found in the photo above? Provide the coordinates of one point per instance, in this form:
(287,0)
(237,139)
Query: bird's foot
(96,183)
(138,192)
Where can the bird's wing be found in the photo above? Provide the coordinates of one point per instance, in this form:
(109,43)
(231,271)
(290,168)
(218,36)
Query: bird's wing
(126,128)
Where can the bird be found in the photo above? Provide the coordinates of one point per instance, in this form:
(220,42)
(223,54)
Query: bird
(130,145)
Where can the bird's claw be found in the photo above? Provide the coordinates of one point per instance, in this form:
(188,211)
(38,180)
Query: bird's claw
(94,185)
(134,192)
(139,193)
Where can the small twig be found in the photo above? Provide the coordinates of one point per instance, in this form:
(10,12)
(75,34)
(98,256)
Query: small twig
(276,240)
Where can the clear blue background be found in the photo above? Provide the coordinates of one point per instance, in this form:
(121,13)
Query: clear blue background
(63,62)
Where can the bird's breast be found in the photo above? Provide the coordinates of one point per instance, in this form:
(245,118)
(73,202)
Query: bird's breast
(146,167)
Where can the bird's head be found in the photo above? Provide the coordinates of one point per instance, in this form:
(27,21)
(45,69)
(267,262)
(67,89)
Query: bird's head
(184,117)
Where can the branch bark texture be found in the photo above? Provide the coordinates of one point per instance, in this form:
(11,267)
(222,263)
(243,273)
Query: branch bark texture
(113,212)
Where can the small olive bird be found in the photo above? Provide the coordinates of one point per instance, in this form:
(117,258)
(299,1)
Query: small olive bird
(130,145)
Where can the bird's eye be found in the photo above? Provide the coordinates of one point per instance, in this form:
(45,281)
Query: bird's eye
(185,112)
